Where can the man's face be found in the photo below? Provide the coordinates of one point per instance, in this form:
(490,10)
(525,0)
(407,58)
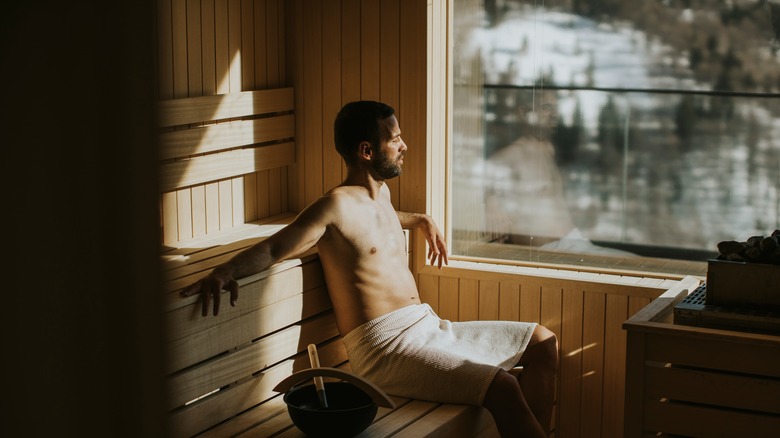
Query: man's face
(390,151)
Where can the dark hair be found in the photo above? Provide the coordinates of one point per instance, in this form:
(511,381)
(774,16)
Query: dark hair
(357,122)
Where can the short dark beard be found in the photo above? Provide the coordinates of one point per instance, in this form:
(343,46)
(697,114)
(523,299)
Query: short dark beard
(384,168)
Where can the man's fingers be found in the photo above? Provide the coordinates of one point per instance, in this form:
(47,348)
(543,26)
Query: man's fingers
(205,297)
(217,295)
(191,290)
(233,288)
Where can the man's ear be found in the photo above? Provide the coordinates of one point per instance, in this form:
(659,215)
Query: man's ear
(365,151)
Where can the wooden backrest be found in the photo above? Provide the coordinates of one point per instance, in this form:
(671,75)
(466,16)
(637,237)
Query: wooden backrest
(210,139)
(221,366)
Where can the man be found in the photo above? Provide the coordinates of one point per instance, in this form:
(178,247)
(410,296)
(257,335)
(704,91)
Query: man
(392,338)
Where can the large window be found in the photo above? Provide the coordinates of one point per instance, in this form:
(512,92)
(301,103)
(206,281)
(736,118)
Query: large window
(614,133)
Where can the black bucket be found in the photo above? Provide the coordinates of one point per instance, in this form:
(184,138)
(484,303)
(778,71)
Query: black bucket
(352,403)
(349,412)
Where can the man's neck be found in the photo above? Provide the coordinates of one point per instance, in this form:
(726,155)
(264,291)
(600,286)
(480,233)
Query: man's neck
(363,178)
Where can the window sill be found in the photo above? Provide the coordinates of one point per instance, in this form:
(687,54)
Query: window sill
(522,256)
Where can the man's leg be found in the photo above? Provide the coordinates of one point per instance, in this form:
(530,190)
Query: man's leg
(522,405)
(540,369)
(513,416)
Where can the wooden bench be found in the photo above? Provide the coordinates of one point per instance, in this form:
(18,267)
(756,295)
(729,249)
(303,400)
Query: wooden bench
(222,370)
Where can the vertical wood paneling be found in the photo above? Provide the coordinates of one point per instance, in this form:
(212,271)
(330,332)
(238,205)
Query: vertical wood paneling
(509,301)
(164,50)
(448,298)
(530,303)
(194,50)
(331,94)
(635,304)
(551,309)
(274,27)
(350,56)
(275,194)
(234,46)
(208,45)
(588,324)
(370,50)
(222,46)
(334,57)
(237,200)
(350,51)
(412,105)
(389,64)
(295,42)
(252,187)
(198,211)
(262,194)
(212,207)
(247,48)
(429,291)
(184,213)
(225,204)
(261,33)
(169,218)
(614,365)
(468,305)
(312,87)
(179,33)
(571,349)
(488,300)
(593,308)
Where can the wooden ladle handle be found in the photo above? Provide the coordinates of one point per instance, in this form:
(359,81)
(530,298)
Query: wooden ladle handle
(377,395)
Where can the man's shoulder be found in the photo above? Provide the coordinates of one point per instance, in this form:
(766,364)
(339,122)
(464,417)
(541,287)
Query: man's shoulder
(341,198)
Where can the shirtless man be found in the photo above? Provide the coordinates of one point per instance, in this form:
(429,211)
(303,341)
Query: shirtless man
(361,245)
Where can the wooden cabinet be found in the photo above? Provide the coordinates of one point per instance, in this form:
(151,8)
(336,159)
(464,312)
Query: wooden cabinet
(695,381)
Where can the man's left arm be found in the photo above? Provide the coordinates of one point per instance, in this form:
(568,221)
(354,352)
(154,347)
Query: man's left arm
(437,247)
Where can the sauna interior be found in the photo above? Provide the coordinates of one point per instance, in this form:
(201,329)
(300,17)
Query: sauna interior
(90,344)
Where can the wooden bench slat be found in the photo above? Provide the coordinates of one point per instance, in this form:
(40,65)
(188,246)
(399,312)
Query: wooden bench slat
(261,291)
(182,255)
(224,404)
(176,112)
(231,367)
(264,420)
(175,301)
(452,421)
(400,418)
(207,168)
(215,138)
(205,344)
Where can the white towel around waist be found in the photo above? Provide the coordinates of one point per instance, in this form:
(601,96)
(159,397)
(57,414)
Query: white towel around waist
(412,353)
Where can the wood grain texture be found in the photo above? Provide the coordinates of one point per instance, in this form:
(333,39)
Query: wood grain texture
(585,311)
(213,63)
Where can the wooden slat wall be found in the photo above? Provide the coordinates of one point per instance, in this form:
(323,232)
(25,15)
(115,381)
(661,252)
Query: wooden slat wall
(345,50)
(208,47)
(585,310)
(219,47)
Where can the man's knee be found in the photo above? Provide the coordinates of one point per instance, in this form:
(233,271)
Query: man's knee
(542,348)
(503,389)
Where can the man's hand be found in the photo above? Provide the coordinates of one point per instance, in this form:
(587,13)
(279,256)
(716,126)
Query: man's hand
(212,286)
(437,247)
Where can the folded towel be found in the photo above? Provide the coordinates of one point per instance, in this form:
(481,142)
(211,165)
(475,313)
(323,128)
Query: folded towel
(412,353)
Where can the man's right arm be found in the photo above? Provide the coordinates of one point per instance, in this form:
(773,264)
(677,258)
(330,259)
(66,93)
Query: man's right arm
(295,238)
